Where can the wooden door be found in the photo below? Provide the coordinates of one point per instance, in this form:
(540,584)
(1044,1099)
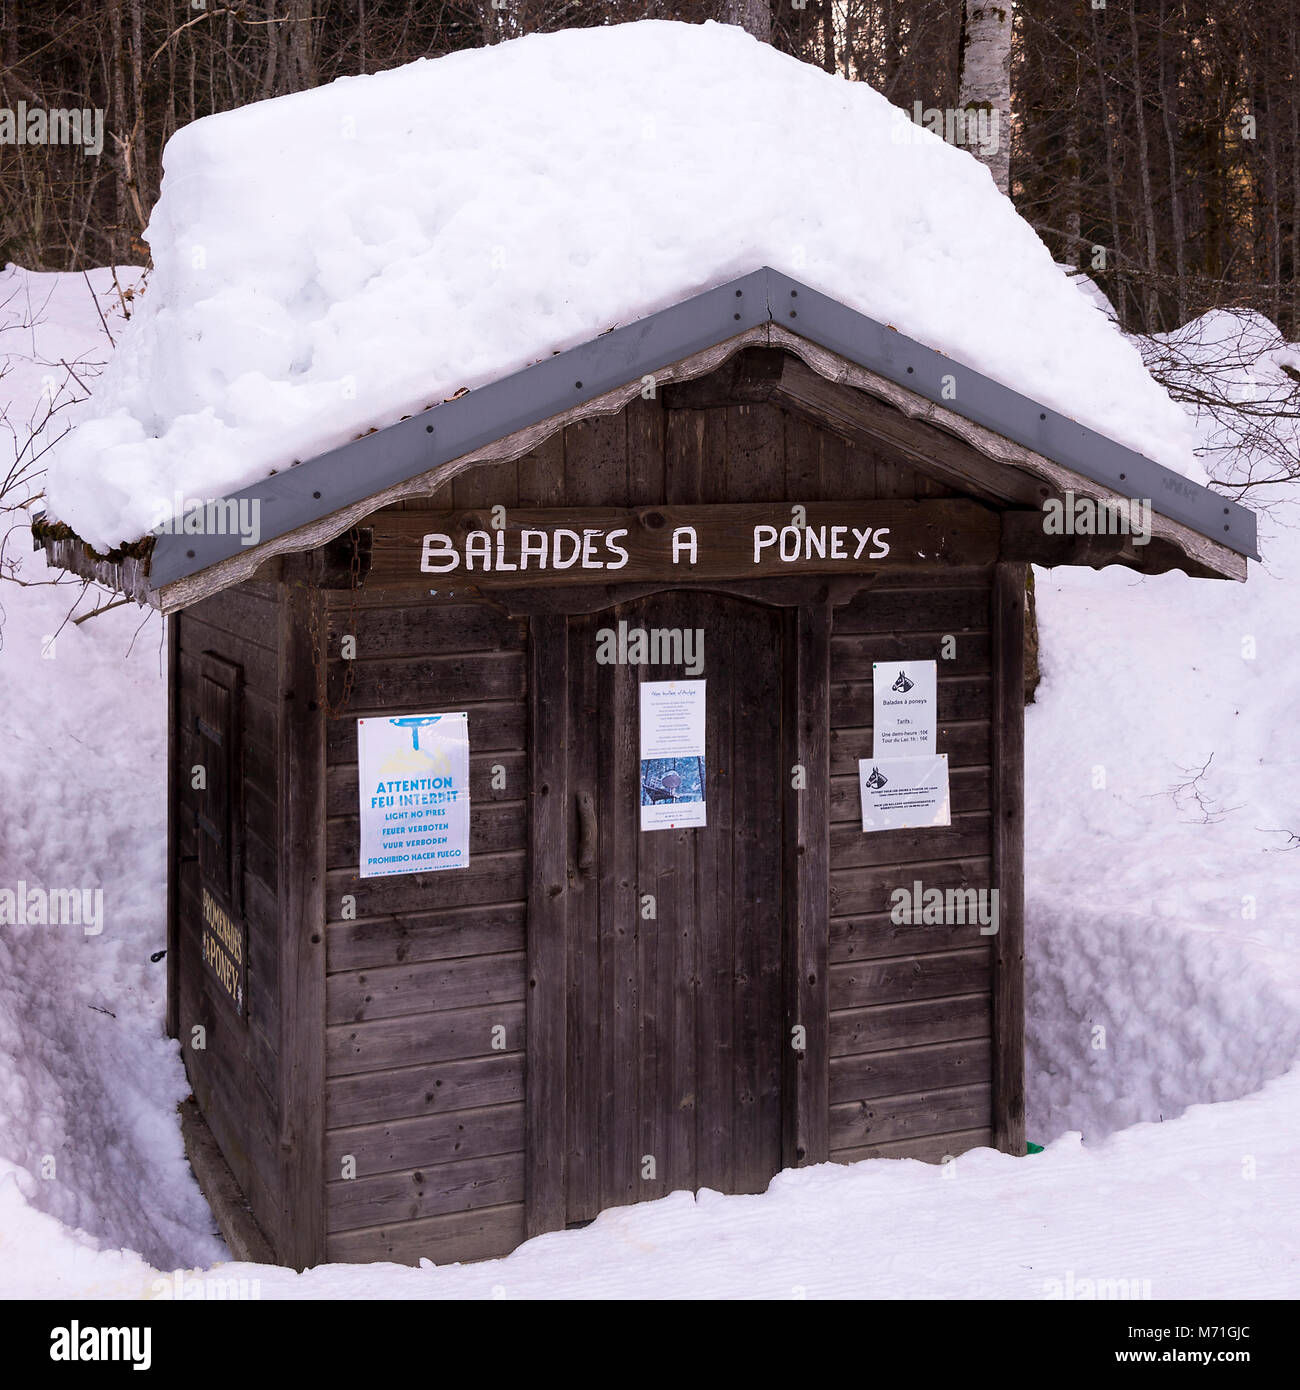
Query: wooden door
(674,1014)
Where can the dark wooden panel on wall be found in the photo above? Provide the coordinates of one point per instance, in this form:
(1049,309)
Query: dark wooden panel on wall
(467,931)
(866,891)
(357,996)
(548,746)
(397,1145)
(472,1235)
(229,638)
(911,1004)
(807,861)
(369,1098)
(426,971)
(301,753)
(432,1189)
(919,1115)
(914,1023)
(412,1039)
(905,1070)
(934,1148)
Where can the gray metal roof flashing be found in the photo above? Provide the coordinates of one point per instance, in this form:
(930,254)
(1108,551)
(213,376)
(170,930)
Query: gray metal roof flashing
(313,489)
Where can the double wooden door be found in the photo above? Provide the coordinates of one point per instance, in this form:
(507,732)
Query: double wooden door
(672,1000)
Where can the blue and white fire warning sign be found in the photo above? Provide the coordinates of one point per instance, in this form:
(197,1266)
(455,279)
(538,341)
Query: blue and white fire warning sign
(414,790)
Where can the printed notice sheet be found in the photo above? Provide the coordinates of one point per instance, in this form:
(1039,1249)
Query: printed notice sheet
(414,785)
(672,754)
(904,706)
(903,793)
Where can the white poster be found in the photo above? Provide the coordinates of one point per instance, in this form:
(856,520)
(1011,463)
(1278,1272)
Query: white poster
(902,793)
(414,786)
(904,702)
(672,754)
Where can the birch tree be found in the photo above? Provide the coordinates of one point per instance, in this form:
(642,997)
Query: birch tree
(754,16)
(986,81)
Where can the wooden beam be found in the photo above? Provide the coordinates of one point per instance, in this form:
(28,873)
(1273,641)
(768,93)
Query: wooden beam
(776,593)
(806,1103)
(1007,627)
(1023,539)
(621,545)
(300,1242)
(868,421)
(546,1017)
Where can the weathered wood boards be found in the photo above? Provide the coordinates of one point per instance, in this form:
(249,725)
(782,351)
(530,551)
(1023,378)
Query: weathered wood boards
(580,545)
(910,1023)
(404,1084)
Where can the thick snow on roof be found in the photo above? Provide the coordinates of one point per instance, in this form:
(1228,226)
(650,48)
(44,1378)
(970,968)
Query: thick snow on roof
(329,261)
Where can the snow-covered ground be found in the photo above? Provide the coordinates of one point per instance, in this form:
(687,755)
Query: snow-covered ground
(1171,923)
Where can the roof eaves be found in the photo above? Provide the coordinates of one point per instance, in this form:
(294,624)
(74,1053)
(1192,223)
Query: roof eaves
(363,467)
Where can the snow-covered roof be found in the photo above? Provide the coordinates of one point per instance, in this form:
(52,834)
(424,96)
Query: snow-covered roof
(328,262)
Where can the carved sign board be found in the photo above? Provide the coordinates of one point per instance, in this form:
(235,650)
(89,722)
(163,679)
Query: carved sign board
(225,952)
(519,548)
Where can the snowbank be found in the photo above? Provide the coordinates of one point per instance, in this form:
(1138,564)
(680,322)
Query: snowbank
(1162,760)
(88,1083)
(329,261)
(1205,1207)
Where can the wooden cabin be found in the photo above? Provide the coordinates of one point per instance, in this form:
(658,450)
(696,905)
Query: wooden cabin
(583,1013)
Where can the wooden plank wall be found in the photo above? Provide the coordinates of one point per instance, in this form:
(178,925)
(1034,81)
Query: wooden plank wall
(424,967)
(646,455)
(430,1113)
(910,1024)
(236,1075)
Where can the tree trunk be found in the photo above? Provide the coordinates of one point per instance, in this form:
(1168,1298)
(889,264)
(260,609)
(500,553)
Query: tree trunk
(754,16)
(121,126)
(1169,105)
(1151,298)
(1120,297)
(986,81)
(1295,181)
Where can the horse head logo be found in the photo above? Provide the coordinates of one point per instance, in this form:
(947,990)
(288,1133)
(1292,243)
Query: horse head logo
(877,779)
(902,684)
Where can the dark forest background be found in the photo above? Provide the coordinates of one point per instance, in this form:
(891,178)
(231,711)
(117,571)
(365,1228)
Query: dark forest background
(1157,142)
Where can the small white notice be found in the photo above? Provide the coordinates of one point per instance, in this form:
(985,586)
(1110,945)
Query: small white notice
(672,754)
(904,707)
(413,775)
(904,793)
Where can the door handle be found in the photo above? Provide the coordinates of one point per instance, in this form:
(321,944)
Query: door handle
(586,832)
